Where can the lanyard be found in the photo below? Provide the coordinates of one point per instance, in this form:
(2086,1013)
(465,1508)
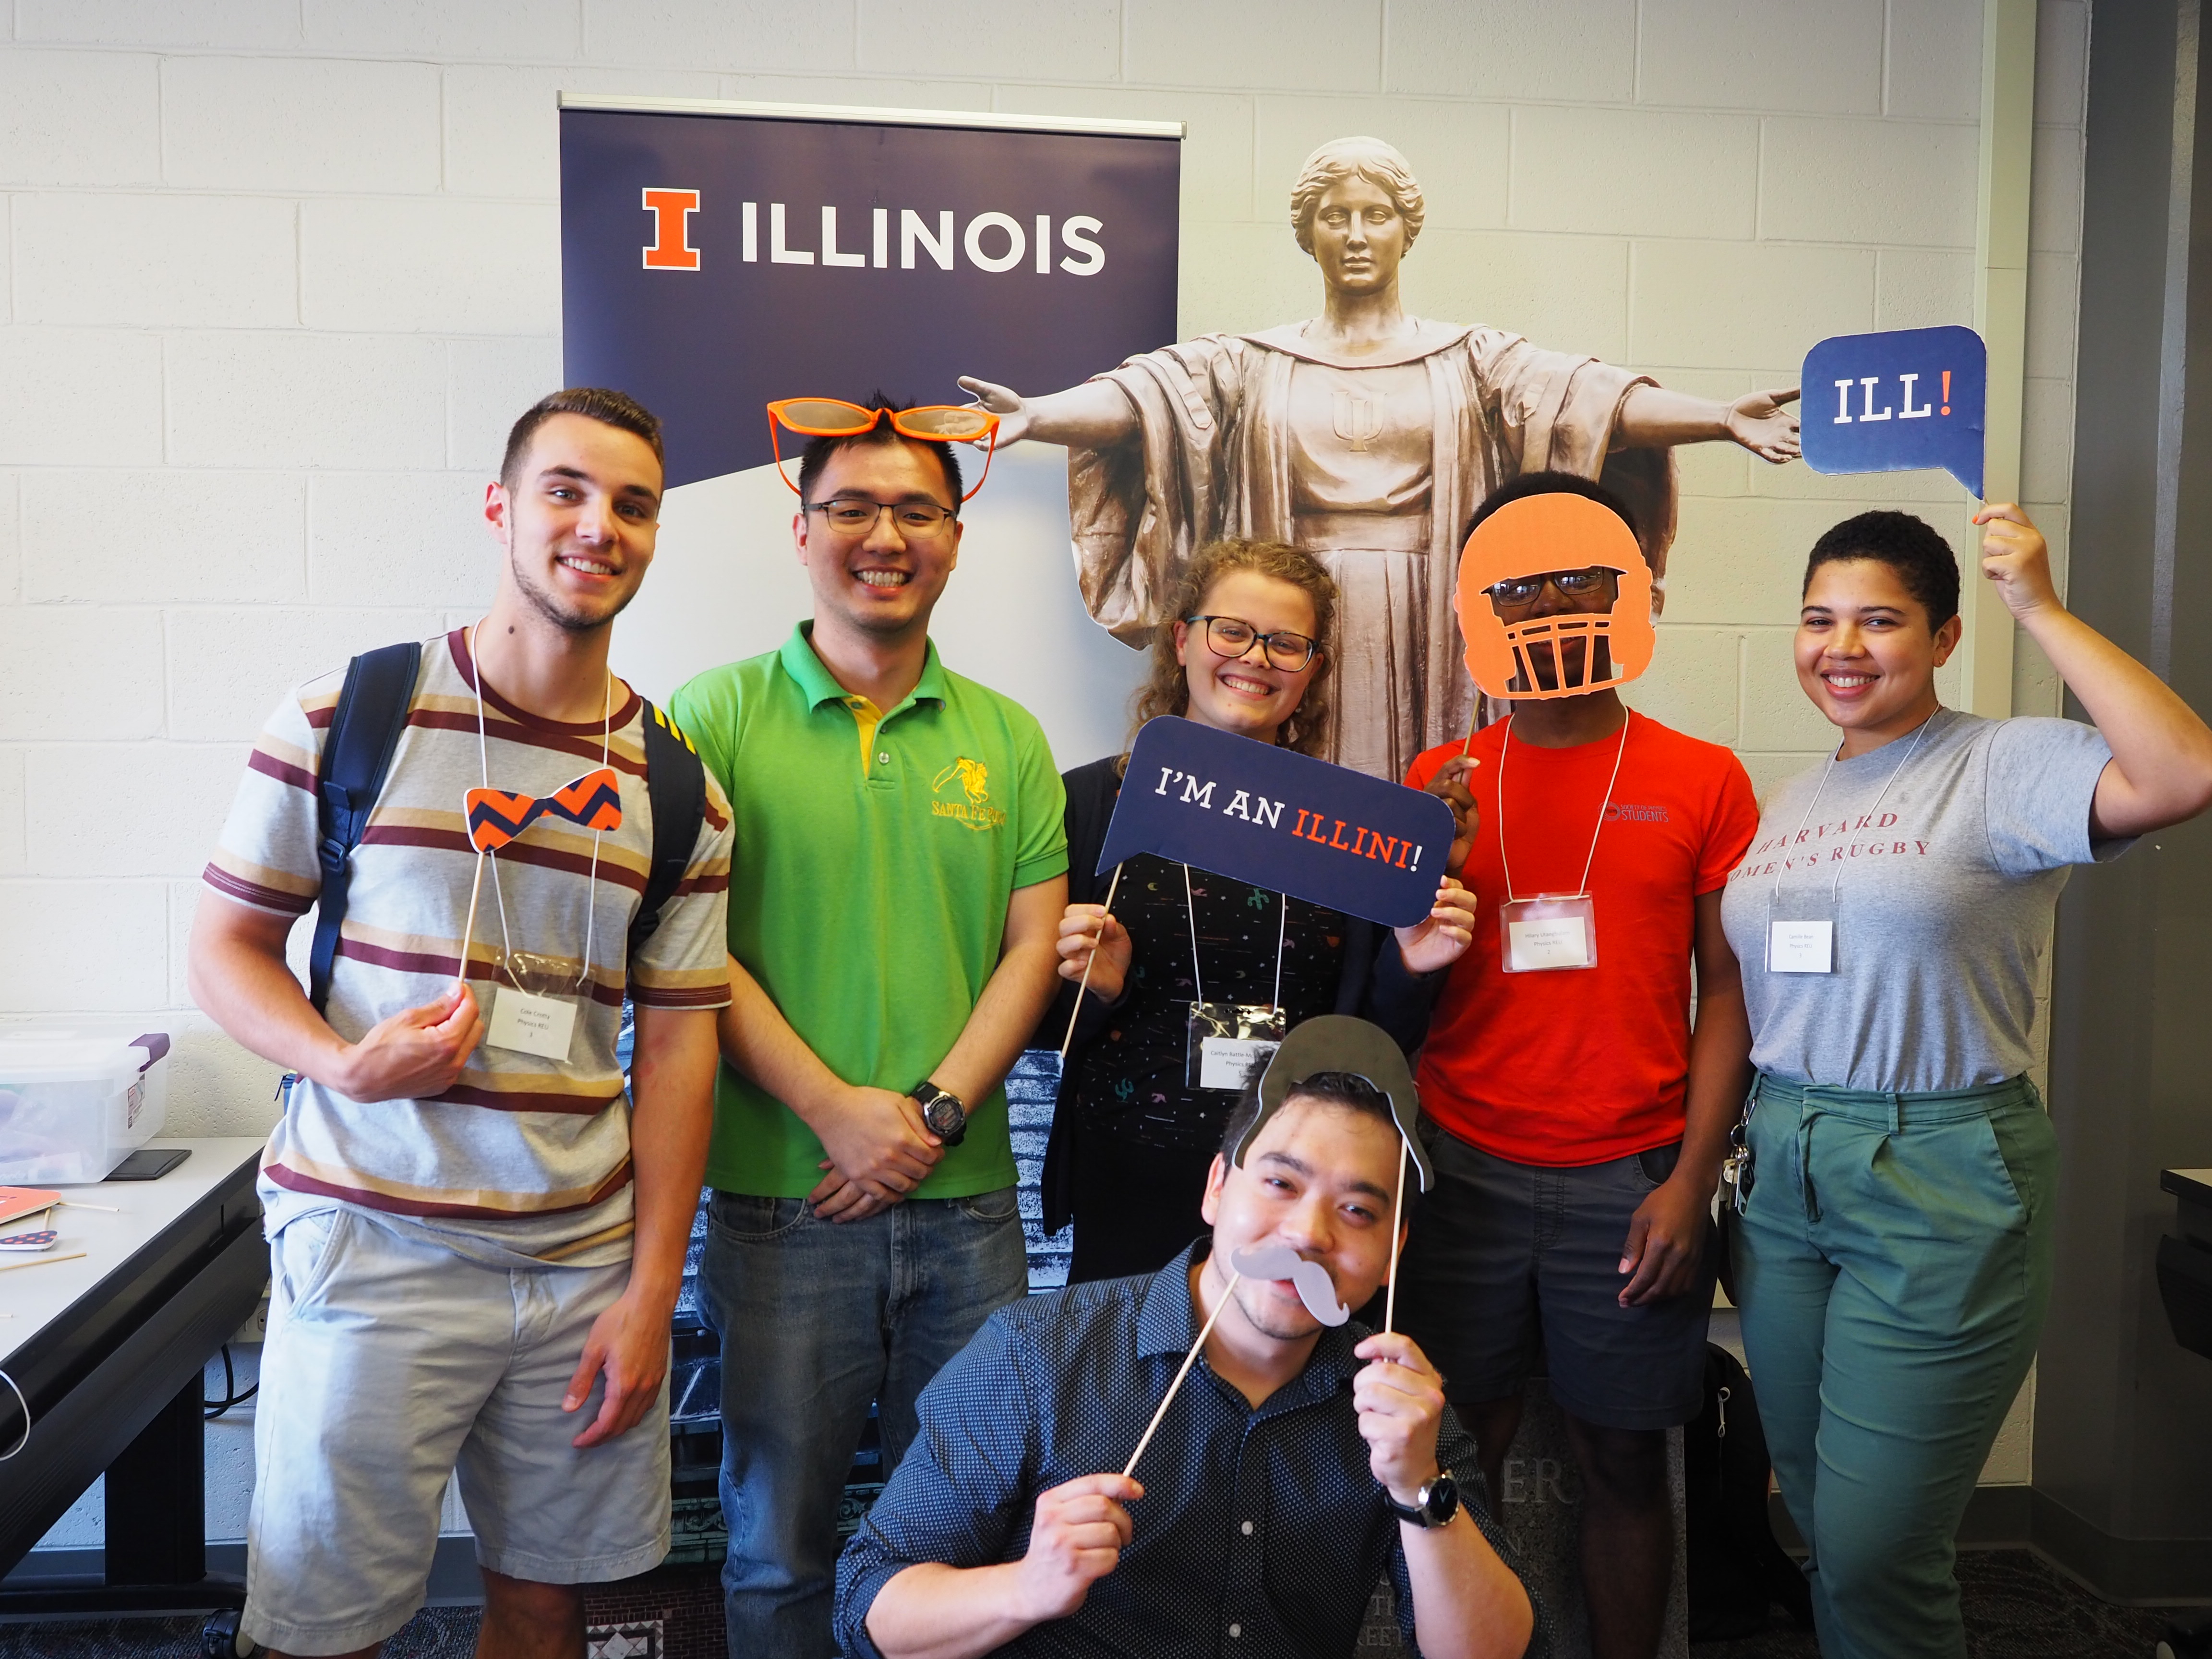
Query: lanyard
(1835,887)
(1190,910)
(483,756)
(1581,891)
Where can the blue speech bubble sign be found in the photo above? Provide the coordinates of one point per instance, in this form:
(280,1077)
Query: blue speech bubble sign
(1892,402)
(1254,812)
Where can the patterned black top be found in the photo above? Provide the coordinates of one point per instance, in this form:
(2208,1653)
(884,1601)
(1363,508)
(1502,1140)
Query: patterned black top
(1129,1079)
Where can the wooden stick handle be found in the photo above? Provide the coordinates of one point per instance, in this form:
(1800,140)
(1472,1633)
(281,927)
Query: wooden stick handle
(1076,1012)
(42,1262)
(469,932)
(1397,1209)
(1175,1387)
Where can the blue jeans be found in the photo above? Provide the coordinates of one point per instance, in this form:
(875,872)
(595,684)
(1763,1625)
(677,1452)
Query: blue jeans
(816,1319)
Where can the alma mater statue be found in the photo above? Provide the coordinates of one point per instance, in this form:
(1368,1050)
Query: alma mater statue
(1366,435)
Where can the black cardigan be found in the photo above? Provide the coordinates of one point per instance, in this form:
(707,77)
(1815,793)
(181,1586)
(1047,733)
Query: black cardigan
(1373,983)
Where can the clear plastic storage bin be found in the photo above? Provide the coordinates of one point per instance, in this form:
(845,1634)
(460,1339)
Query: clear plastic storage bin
(74,1104)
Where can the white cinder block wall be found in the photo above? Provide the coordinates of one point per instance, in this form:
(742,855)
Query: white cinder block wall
(278,274)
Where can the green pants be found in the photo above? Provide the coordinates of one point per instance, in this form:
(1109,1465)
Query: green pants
(1893,1265)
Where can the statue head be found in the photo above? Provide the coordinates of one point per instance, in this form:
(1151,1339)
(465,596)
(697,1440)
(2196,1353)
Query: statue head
(1367,162)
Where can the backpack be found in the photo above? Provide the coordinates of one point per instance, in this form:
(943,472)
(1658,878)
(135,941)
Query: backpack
(364,734)
(1737,1569)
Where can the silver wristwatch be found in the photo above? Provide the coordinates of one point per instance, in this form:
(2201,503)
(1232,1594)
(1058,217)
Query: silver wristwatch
(1433,1506)
(944,1112)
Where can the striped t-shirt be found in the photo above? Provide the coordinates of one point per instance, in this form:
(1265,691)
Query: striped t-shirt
(530,1155)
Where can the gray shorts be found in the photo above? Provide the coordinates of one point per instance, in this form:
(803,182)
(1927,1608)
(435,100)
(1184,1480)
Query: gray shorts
(392,1364)
(1514,1268)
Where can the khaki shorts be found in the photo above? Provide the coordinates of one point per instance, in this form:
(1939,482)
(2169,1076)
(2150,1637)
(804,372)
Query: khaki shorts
(391,1363)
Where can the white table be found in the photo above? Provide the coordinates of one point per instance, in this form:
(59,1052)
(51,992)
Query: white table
(108,1351)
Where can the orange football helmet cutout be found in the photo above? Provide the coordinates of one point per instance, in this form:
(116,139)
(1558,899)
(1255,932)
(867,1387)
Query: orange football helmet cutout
(1528,658)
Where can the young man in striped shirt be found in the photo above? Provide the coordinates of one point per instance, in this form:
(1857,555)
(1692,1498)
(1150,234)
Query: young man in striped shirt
(476,1240)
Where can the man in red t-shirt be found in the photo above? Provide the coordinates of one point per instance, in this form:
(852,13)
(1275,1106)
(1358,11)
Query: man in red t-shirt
(1584,1119)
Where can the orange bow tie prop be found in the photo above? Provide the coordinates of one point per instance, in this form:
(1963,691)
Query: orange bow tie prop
(496,817)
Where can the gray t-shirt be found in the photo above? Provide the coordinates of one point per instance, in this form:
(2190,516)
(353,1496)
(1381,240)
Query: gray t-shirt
(1944,892)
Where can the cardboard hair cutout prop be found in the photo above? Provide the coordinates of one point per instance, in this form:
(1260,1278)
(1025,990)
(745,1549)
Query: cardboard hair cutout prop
(1339,1043)
(1534,537)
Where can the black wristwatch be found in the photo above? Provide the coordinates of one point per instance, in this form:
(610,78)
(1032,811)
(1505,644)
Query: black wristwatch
(1434,1505)
(945,1114)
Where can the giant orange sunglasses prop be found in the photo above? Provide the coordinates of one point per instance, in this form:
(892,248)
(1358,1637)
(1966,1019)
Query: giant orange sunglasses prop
(1563,535)
(929,424)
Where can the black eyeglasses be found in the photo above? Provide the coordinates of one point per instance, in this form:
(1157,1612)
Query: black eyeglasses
(856,515)
(1572,584)
(1232,637)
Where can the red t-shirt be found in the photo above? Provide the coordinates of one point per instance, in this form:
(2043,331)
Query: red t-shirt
(1568,1066)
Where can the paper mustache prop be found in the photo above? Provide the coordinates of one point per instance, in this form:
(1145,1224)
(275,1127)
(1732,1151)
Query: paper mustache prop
(496,817)
(1311,1280)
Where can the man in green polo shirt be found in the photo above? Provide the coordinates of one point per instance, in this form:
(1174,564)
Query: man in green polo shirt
(899,872)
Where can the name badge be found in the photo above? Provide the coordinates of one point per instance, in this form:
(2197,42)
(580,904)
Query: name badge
(1547,932)
(1801,947)
(531,1024)
(1228,1040)
(1226,1062)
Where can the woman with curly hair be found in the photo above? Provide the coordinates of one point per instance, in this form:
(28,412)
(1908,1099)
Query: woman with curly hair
(1134,1135)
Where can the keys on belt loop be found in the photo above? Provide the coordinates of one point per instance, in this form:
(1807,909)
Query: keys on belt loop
(1738,1170)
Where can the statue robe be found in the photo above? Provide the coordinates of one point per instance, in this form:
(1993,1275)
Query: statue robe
(1213,457)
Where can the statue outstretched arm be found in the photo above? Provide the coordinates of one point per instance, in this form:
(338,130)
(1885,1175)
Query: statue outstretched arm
(1652,417)
(1095,414)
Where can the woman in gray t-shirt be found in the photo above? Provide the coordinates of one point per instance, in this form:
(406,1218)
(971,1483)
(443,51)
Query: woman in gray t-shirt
(1893,1258)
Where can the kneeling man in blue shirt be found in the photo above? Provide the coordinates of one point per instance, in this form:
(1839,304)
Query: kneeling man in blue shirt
(1285,1479)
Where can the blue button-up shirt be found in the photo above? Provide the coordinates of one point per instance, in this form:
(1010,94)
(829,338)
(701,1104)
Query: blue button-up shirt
(1262,1532)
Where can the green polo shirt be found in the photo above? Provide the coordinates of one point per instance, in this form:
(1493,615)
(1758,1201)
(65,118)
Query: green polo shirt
(870,904)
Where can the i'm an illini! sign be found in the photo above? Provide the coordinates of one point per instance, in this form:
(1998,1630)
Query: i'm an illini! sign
(1254,812)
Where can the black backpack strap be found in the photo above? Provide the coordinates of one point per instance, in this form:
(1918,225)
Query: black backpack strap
(676,784)
(357,750)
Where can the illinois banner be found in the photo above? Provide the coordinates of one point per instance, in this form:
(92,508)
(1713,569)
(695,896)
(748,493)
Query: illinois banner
(716,256)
